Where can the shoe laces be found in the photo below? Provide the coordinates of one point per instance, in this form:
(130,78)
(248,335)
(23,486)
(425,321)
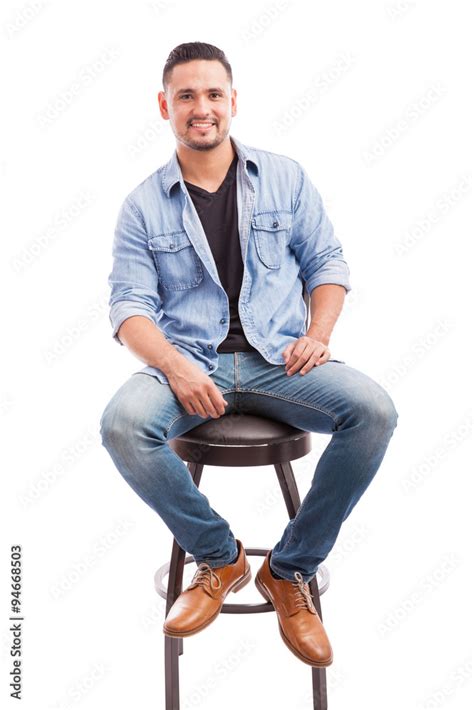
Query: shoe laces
(303,596)
(205,575)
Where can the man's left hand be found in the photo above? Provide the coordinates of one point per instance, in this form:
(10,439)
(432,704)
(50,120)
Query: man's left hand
(305,353)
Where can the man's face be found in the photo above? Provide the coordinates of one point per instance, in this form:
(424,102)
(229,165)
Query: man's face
(199,93)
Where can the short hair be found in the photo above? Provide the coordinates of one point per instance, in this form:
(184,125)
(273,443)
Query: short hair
(189,51)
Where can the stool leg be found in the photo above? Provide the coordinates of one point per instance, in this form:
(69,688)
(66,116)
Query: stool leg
(195,470)
(288,486)
(286,479)
(171,673)
(320,697)
(174,646)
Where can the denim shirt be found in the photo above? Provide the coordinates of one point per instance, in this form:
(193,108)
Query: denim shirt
(163,267)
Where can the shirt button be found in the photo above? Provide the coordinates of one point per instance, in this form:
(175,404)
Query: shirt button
(210,346)
(210,367)
(171,246)
(275,224)
(222,320)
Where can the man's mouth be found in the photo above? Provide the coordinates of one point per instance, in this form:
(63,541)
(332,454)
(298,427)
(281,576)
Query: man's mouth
(202,125)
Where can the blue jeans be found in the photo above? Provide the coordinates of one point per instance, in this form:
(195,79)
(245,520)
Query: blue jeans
(333,398)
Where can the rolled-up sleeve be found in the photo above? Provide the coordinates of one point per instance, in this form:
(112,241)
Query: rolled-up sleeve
(317,250)
(133,280)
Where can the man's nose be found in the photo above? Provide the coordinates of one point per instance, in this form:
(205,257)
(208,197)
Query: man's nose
(202,107)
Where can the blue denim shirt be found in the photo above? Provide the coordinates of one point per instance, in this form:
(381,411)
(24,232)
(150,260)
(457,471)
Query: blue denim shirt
(163,267)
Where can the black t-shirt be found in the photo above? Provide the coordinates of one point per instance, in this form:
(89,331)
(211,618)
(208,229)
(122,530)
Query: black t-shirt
(219,218)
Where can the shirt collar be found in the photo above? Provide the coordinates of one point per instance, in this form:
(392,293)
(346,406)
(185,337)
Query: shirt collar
(172,171)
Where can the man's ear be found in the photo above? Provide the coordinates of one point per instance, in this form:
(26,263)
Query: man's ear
(162,104)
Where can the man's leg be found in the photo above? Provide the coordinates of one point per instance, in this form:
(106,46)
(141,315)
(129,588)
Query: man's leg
(136,426)
(333,399)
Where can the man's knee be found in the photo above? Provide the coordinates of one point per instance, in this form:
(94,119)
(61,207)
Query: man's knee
(122,421)
(111,424)
(382,410)
(372,407)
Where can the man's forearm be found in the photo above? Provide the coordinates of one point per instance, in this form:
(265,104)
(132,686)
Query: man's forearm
(326,305)
(145,340)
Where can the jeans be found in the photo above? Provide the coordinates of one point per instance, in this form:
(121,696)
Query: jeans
(333,398)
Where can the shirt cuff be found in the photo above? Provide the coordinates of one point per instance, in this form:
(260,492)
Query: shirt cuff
(328,277)
(123,310)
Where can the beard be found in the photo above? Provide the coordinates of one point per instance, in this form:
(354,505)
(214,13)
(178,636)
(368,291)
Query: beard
(203,142)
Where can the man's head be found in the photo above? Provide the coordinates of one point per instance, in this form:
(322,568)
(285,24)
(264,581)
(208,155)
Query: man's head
(197,83)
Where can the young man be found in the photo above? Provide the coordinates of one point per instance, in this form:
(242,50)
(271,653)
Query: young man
(210,256)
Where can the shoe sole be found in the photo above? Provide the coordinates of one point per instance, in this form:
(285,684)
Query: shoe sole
(316,664)
(234,588)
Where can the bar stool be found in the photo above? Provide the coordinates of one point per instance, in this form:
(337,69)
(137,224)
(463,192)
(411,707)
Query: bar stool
(238,440)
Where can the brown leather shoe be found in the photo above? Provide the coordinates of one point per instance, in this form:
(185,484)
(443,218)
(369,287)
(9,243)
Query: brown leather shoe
(200,603)
(300,626)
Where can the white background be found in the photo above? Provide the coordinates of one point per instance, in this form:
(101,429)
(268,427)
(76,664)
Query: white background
(370,97)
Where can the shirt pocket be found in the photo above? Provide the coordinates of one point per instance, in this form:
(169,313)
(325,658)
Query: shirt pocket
(271,230)
(178,265)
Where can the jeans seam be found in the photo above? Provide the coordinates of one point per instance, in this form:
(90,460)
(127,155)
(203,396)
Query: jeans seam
(290,539)
(237,382)
(268,394)
(292,534)
(294,401)
(237,373)
(173,421)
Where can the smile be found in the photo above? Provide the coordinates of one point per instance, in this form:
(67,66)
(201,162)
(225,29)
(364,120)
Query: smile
(201,126)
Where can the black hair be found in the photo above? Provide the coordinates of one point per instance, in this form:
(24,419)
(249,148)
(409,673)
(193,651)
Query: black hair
(189,51)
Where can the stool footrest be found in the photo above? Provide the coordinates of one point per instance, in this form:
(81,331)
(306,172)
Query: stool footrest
(322,577)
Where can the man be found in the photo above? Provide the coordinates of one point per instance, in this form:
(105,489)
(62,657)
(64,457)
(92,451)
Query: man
(211,253)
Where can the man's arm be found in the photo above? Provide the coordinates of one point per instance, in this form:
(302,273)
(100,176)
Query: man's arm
(327,301)
(195,390)
(134,306)
(312,349)
(146,341)
(133,280)
(316,247)
(325,274)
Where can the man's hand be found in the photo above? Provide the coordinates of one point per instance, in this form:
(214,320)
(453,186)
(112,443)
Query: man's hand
(196,391)
(305,353)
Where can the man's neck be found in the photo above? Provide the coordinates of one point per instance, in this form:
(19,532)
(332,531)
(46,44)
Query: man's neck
(206,168)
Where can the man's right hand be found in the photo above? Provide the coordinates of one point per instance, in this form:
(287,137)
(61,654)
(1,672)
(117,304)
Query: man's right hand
(195,390)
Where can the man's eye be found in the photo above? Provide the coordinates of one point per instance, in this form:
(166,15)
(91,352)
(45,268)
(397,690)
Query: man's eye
(213,93)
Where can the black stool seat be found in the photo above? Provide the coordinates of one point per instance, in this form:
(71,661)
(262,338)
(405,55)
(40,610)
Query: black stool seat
(242,440)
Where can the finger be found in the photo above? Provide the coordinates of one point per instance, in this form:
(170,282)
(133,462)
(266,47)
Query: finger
(301,360)
(312,352)
(211,409)
(324,357)
(295,356)
(218,398)
(312,362)
(298,364)
(218,402)
(198,407)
